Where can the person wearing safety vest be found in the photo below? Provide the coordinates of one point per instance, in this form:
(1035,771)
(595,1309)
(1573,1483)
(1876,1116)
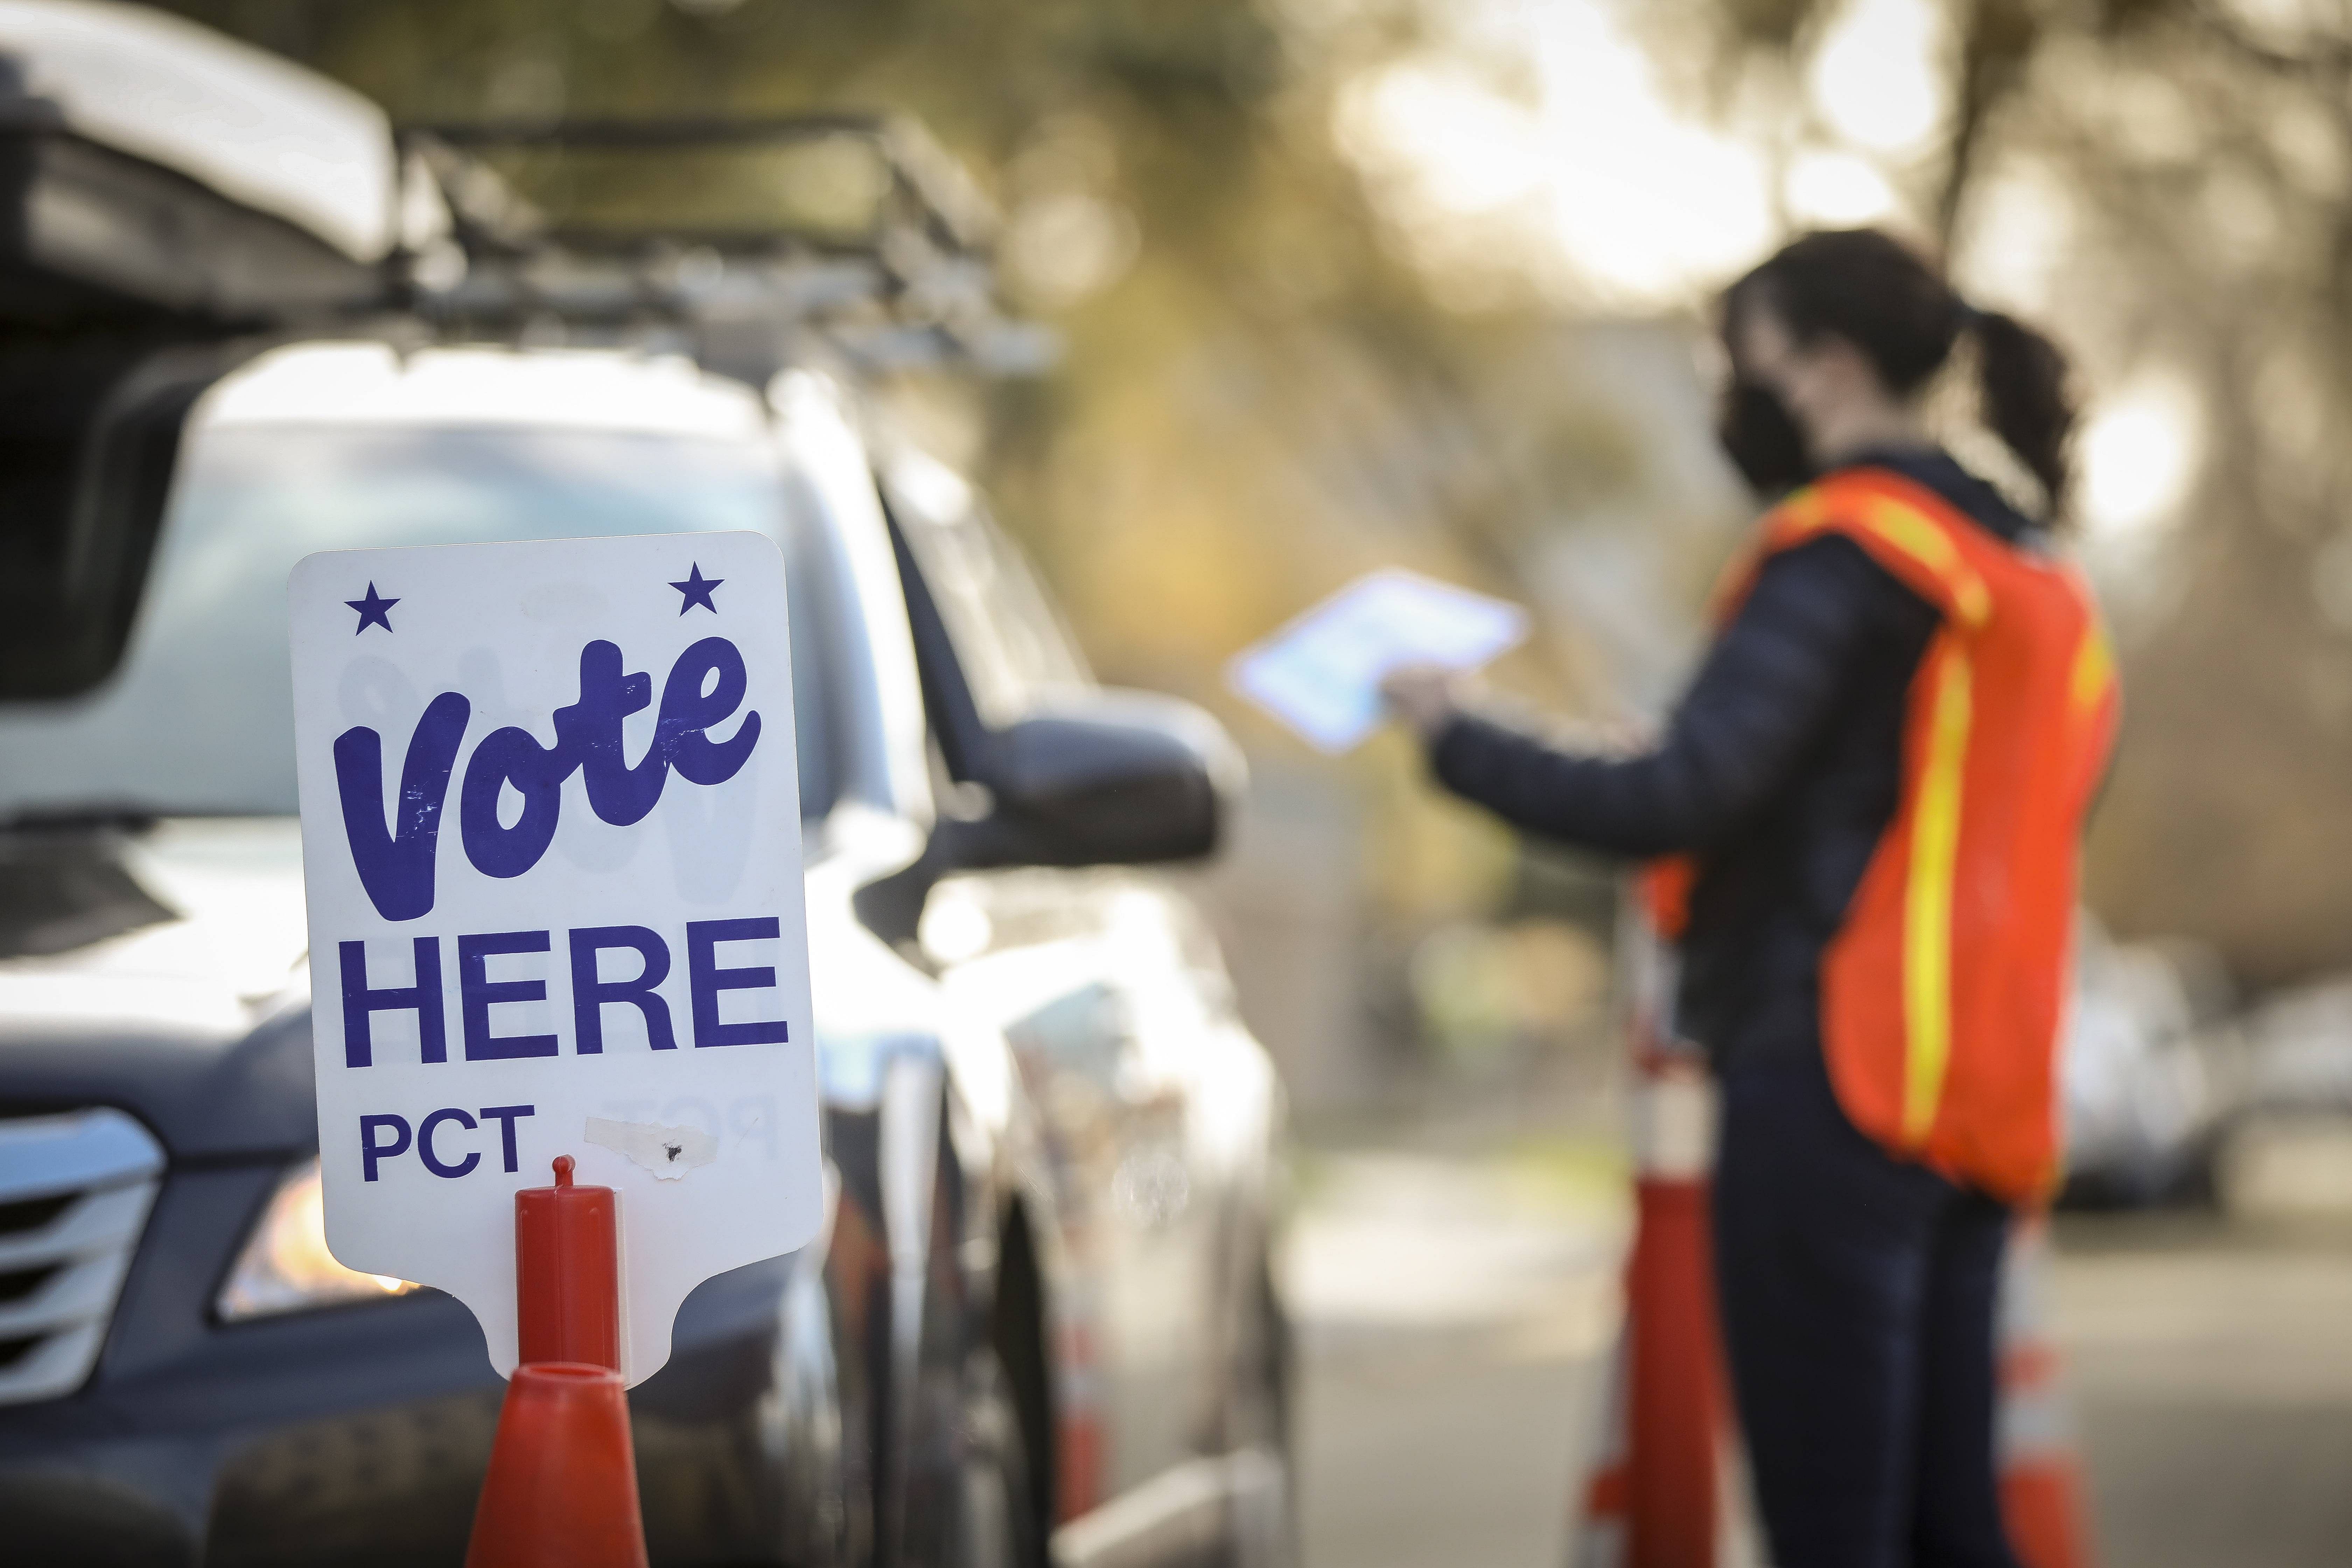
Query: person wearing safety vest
(1864,816)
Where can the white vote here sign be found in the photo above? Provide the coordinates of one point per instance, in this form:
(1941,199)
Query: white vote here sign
(550,833)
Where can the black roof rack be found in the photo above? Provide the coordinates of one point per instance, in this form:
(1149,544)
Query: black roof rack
(911,280)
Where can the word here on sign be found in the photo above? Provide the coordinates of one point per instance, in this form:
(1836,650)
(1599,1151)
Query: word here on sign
(550,830)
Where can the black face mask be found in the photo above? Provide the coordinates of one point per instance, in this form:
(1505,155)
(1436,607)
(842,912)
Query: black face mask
(1762,442)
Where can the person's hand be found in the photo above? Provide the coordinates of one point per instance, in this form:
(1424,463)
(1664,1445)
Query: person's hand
(1423,697)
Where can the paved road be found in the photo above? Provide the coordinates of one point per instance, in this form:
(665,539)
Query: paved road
(1457,1313)
(1455,1317)
(2211,1367)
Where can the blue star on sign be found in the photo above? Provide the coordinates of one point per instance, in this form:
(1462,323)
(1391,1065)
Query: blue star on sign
(373,611)
(696,590)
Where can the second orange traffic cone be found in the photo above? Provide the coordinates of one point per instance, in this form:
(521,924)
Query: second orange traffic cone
(1665,1491)
(2041,1476)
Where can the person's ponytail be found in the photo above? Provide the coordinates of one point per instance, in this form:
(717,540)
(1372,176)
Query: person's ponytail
(2026,400)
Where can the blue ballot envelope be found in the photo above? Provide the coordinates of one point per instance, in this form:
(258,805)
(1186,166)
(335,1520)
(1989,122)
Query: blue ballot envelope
(1320,674)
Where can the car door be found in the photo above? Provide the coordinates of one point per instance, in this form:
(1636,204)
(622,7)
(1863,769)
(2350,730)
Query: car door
(1077,968)
(1104,1046)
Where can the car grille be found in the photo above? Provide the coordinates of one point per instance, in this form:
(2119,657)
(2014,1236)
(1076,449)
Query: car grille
(74,1192)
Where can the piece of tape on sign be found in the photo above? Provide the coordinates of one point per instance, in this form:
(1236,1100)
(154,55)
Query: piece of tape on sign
(669,1152)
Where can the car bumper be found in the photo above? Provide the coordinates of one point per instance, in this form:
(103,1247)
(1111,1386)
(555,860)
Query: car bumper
(359,1435)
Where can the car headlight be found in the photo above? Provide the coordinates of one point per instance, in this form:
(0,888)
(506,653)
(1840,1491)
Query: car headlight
(286,1267)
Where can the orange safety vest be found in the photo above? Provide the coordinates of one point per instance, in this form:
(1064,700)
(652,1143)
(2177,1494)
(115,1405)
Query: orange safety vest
(1944,990)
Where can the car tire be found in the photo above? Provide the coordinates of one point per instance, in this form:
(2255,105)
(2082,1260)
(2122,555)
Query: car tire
(997,1523)
(1263,1524)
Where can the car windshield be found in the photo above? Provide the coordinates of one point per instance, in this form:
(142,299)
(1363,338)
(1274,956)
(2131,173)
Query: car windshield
(198,719)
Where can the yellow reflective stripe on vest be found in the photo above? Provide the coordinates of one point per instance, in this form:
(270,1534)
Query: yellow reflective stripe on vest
(1921,538)
(1908,529)
(2094,668)
(1928,897)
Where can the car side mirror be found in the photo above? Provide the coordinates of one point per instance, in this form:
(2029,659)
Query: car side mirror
(1102,778)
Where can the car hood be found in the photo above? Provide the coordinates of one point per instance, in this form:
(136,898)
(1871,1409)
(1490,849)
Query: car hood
(163,973)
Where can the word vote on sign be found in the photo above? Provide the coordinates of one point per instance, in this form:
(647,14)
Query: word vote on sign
(550,833)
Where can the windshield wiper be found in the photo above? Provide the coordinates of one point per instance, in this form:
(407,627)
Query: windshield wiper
(80,819)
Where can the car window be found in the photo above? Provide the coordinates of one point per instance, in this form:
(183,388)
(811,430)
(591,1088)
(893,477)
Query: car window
(1010,643)
(198,718)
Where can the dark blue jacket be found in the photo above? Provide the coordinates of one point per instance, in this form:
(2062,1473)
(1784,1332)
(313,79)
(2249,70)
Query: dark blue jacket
(1781,769)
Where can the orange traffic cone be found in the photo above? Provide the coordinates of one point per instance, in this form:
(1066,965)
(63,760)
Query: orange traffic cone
(562,1486)
(2040,1479)
(1662,1492)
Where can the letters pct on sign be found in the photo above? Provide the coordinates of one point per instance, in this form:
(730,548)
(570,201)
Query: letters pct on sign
(551,835)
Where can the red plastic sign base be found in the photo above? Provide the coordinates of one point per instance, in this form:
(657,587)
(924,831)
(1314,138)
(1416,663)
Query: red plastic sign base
(567,1272)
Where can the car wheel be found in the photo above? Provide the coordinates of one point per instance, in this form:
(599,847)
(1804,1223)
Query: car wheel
(1263,1531)
(997,1522)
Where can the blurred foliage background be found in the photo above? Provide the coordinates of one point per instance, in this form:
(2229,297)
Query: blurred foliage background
(1353,282)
